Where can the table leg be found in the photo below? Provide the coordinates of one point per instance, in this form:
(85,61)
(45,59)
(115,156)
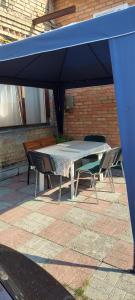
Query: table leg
(101,175)
(72,181)
(41,182)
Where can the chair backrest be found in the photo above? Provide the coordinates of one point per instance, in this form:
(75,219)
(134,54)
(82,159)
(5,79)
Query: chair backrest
(108,158)
(95,138)
(37,144)
(47,141)
(43,162)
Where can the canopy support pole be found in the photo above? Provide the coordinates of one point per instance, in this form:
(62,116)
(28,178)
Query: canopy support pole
(123,64)
(59,98)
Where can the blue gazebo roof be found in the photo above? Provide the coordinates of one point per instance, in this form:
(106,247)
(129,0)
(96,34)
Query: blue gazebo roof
(76,55)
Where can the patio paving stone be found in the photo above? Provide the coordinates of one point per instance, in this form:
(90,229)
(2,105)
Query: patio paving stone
(107,196)
(60,232)
(13,237)
(32,204)
(123,199)
(118,211)
(127,284)
(129,296)
(3,225)
(104,284)
(4,205)
(81,217)
(13,197)
(88,205)
(121,255)
(110,226)
(14,214)
(7,182)
(72,268)
(28,189)
(56,210)
(93,244)
(34,222)
(40,250)
(4,191)
(127,235)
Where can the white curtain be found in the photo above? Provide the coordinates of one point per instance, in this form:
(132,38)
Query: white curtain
(35,105)
(9,106)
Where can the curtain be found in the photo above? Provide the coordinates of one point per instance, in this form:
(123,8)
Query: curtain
(35,105)
(9,106)
(122,52)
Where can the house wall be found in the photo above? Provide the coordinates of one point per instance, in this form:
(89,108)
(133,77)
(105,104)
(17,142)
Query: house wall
(16,23)
(16,17)
(95,108)
(11,142)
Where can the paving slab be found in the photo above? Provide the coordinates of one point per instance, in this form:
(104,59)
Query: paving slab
(81,217)
(93,244)
(72,268)
(61,232)
(34,222)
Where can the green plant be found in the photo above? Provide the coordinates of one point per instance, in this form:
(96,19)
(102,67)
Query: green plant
(62,139)
(79,292)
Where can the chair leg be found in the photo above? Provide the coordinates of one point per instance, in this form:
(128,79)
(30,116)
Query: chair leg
(49,183)
(36,183)
(111,180)
(28,175)
(123,173)
(60,188)
(106,172)
(94,185)
(76,189)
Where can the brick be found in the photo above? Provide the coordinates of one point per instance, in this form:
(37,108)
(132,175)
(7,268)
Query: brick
(13,142)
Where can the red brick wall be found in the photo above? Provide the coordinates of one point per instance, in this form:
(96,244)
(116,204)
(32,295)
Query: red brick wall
(94,112)
(95,108)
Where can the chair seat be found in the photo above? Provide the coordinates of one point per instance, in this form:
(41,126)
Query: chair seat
(93,167)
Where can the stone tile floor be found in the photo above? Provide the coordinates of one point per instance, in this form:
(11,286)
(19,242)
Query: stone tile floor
(84,245)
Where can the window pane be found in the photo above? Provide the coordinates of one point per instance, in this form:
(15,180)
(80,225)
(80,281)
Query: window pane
(9,106)
(35,105)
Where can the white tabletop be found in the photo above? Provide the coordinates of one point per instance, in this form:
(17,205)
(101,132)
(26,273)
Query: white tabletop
(66,153)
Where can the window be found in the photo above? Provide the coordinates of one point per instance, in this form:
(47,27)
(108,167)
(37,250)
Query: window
(23,105)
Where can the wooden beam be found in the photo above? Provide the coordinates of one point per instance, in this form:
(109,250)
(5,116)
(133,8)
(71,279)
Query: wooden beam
(55,15)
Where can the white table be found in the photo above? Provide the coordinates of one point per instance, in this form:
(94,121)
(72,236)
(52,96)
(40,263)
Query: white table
(65,155)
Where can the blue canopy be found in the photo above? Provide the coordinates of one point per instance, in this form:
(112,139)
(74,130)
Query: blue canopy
(76,55)
(94,52)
